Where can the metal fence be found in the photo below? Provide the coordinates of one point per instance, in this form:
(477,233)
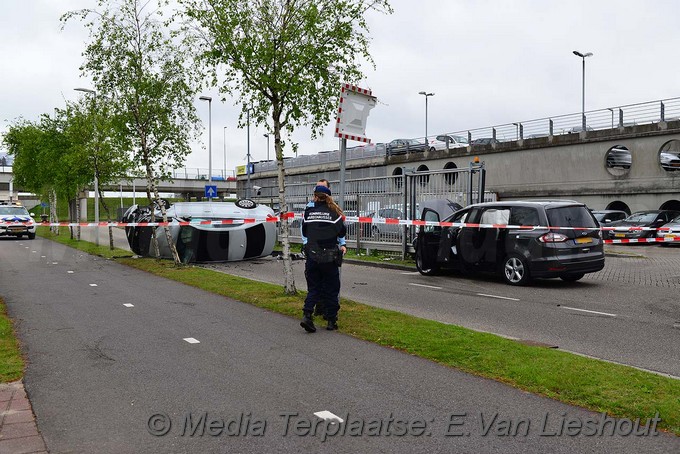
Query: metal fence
(394,197)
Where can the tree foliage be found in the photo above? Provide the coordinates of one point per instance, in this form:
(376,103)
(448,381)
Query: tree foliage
(141,64)
(285,60)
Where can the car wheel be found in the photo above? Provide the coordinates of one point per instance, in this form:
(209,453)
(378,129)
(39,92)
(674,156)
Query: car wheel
(31,236)
(516,270)
(572,277)
(433,149)
(421,269)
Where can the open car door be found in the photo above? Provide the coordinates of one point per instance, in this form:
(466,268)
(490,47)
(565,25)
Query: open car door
(427,243)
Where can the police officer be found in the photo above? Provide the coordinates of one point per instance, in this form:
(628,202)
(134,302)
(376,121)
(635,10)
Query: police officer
(319,309)
(322,225)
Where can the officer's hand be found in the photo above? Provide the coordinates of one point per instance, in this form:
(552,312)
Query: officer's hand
(343,249)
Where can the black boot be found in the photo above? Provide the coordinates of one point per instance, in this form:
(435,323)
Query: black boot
(308,322)
(332,323)
(319,309)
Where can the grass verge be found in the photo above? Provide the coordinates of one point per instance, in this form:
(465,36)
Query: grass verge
(619,391)
(11,361)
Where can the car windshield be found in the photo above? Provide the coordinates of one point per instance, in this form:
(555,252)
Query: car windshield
(574,216)
(641,217)
(600,216)
(413,142)
(17,211)
(461,139)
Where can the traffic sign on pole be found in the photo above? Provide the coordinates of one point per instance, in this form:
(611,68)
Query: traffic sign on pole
(210,191)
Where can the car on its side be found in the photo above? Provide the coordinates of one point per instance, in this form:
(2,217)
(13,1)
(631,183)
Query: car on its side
(400,146)
(650,218)
(447,141)
(670,233)
(517,254)
(606,217)
(15,220)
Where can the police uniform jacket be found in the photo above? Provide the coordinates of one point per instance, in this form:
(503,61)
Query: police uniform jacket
(322,226)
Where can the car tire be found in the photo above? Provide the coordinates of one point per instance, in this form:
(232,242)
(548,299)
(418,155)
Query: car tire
(572,277)
(31,236)
(515,270)
(433,149)
(419,265)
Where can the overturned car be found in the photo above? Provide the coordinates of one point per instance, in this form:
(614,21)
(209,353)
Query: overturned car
(207,238)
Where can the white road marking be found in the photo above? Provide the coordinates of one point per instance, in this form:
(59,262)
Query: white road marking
(93,285)
(426,286)
(54,263)
(33,252)
(128,305)
(499,297)
(191,340)
(70,272)
(43,256)
(26,247)
(328,416)
(590,312)
(409,272)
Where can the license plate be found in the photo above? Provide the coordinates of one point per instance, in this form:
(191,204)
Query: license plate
(16,228)
(669,237)
(620,235)
(584,240)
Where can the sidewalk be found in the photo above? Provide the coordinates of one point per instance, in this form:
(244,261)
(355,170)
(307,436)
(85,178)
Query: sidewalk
(18,431)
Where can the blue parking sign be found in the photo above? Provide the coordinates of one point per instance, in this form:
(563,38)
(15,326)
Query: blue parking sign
(210,191)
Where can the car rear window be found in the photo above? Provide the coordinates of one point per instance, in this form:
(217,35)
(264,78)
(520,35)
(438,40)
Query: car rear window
(575,216)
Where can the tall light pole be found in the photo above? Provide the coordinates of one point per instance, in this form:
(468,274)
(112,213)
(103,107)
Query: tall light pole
(248,156)
(96,179)
(209,99)
(267,136)
(225,152)
(583,87)
(427,95)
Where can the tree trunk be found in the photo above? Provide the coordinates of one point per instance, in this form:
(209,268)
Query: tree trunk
(108,218)
(168,235)
(77,217)
(53,211)
(149,187)
(289,278)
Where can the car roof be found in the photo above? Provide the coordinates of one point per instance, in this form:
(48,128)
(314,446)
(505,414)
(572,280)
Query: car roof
(535,203)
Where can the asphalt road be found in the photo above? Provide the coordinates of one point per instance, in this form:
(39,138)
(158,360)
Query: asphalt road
(98,370)
(619,314)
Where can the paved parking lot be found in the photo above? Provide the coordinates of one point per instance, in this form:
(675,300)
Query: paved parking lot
(645,265)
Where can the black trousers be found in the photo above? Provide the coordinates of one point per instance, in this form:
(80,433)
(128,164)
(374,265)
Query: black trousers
(323,287)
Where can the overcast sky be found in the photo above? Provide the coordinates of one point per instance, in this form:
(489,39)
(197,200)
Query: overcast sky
(488,62)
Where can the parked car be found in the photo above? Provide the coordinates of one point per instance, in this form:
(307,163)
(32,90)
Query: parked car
(484,141)
(15,220)
(650,218)
(447,141)
(606,217)
(576,129)
(399,146)
(619,157)
(669,161)
(519,255)
(671,232)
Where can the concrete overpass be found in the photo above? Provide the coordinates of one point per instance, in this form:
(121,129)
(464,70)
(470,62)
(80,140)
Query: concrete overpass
(553,163)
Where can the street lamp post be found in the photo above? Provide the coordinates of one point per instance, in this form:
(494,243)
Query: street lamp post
(267,136)
(96,179)
(225,152)
(583,87)
(427,95)
(209,99)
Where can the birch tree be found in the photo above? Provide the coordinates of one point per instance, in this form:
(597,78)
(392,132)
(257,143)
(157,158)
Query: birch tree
(285,61)
(141,64)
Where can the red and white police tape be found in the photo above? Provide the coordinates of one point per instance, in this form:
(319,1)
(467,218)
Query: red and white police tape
(370,220)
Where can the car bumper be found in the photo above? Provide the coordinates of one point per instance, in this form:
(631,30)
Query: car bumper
(13,230)
(554,267)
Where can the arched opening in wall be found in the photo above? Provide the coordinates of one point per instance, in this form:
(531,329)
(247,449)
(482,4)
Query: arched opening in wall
(618,205)
(671,205)
(450,177)
(618,160)
(398,180)
(669,156)
(423,179)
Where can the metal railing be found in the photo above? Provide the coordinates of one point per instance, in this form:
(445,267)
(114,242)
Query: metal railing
(600,119)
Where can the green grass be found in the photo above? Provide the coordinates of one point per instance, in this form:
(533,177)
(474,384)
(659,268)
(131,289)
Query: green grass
(11,361)
(620,391)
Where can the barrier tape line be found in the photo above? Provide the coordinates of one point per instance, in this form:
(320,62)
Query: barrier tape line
(348,219)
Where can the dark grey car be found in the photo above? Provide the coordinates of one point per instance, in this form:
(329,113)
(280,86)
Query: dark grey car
(517,254)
